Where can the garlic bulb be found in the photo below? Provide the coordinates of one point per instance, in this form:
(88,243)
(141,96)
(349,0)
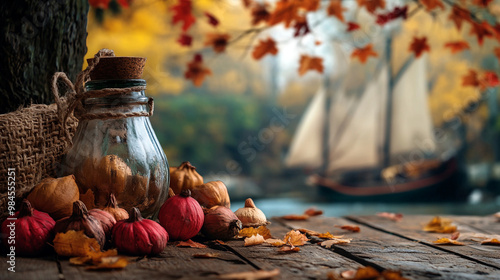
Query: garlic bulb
(250,215)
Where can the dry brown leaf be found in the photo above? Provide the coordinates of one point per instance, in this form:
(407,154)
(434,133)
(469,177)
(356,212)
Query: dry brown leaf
(491,241)
(335,9)
(76,244)
(432,4)
(311,212)
(254,240)
(295,238)
(191,243)
(348,274)
(110,263)
(336,241)
(294,217)
(275,242)
(288,249)
(455,235)
(250,231)
(362,54)
(253,275)
(440,225)
(309,232)
(447,241)
(218,41)
(285,12)
(326,235)
(419,45)
(80,260)
(366,272)
(220,242)
(308,63)
(264,47)
(196,70)
(88,199)
(372,5)
(206,255)
(391,216)
(352,228)
(392,275)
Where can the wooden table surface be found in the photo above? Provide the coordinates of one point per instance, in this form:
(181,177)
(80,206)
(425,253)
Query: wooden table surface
(381,244)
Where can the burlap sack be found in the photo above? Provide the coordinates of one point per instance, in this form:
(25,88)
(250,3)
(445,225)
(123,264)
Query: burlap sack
(33,142)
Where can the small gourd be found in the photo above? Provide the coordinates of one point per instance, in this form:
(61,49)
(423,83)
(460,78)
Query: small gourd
(211,194)
(184,177)
(251,216)
(181,216)
(112,208)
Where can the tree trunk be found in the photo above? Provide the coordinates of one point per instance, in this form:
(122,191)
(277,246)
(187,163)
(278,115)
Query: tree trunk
(37,39)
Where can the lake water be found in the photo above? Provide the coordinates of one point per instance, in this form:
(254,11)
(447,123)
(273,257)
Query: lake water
(284,206)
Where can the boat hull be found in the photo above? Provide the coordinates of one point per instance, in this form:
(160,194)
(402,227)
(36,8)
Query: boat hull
(444,183)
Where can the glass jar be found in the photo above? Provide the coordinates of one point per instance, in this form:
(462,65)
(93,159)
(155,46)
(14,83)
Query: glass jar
(118,154)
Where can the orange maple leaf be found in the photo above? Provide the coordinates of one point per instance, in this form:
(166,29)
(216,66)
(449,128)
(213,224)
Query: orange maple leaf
(481,30)
(352,26)
(182,12)
(496,51)
(286,12)
(309,5)
(471,79)
(260,13)
(489,79)
(432,4)
(310,63)
(457,46)
(458,16)
(419,46)
(482,3)
(335,9)
(218,41)
(197,71)
(372,5)
(364,53)
(265,47)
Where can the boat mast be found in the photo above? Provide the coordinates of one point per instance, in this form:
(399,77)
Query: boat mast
(386,150)
(326,128)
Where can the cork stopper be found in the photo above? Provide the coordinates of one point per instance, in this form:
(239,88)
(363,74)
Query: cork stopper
(118,68)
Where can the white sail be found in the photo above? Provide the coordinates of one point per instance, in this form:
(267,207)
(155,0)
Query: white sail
(306,148)
(354,139)
(412,129)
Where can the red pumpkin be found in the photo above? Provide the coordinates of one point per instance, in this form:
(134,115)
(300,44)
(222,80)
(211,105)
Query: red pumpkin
(139,236)
(31,231)
(181,216)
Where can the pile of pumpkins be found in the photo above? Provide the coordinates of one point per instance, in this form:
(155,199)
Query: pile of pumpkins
(192,207)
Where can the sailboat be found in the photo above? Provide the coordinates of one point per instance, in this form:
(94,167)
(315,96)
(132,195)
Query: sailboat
(379,145)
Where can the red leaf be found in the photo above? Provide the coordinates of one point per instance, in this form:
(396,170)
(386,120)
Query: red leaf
(457,46)
(264,47)
(185,40)
(218,41)
(197,71)
(313,212)
(432,4)
(301,27)
(182,12)
(458,16)
(482,3)
(308,63)
(419,46)
(335,9)
(123,3)
(101,4)
(497,52)
(260,13)
(398,12)
(481,30)
(212,20)
(372,5)
(352,26)
(489,79)
(352,228)
(364,53)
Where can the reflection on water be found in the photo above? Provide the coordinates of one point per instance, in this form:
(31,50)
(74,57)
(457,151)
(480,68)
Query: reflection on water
(284,206)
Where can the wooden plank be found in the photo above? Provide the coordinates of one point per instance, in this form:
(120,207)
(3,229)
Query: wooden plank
(311,262)
(173,263)
(411,227)
(30,268)
(386,251)
(488,224)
